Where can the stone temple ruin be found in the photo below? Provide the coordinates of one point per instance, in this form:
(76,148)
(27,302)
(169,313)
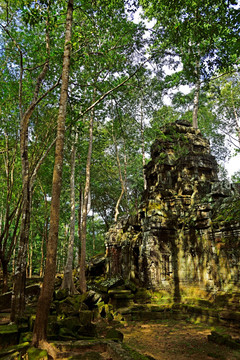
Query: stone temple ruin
(174,241)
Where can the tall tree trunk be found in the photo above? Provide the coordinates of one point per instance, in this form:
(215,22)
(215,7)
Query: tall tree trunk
(68,282)
(120,178)
(196,104)
(42,255)
(5,255)
(44,301)
(30,255)
(125,178)
(93,233)
(44,233)
(18,293)
(197,91)
(80,207)
(5,276)
(82,273)
(143,146)
(237,125)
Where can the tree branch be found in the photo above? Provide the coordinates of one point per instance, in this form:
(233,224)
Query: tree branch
(114,88)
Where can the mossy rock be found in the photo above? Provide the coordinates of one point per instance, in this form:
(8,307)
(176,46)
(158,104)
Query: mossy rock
(233,316)
(33,290)
(89,331)
(136,355)
(31,321)
(63,307)
(143,296)
(37,354)
(71,323)
(106,311)
(14,352)
(92,299)
(111,283)
(204,303)
(25,337)
(66,334)
(23,324)
(221,300)
(223,339)
(9,335)
(92,355)
(115,335)
(129,285)
(71,305)
(61,294)
(53,325)
(85,317)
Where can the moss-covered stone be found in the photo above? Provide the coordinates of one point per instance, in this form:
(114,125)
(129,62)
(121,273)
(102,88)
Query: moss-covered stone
(89,331)
(25,337)
(106,311)
(37,354)
(85,317)
(111,283)
(114,334)
(14,352)
(53,325)
(143,296)
(9,335)
(71,323)
(31,321)
(33,290)
(91,355)
(61,294)
(223,339)
(65,334)
(129,285)
(136,355)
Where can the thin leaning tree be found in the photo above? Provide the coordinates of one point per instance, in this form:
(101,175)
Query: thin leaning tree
(43,306)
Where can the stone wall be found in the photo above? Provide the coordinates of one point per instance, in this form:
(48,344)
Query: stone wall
(173,240)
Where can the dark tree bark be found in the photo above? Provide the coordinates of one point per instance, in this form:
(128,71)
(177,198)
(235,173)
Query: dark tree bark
(43,306)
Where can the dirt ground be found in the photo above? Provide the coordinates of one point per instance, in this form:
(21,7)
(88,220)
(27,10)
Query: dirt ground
(177,340)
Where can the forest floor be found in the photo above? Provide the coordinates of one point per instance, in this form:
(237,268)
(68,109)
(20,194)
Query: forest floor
(177,340)
(171,339)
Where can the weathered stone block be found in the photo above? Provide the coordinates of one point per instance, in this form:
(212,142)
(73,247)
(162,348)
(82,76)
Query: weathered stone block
(9,335)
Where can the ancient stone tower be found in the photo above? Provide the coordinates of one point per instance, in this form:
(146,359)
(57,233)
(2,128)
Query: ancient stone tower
(173,239)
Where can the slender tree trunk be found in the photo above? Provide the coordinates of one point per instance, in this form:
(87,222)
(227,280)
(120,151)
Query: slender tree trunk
(143,147)
(30,255)
(44,233)
(82,273)
(5,255)
(120,178)
(42,256)
(13,261)
(197,91)
(93,233)
(43,306)
(18,293)
(5,276)
(237,125)
(196,104)
(68,282)
(80,222)
(125,178)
